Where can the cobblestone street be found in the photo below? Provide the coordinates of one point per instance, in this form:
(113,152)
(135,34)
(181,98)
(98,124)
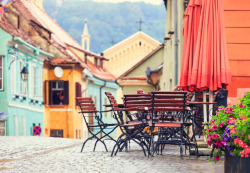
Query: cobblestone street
(41,154)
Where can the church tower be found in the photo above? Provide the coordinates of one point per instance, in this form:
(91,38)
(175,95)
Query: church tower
(39,3)
(85,37)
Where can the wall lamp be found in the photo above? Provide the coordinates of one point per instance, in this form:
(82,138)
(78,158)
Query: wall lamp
(24,73)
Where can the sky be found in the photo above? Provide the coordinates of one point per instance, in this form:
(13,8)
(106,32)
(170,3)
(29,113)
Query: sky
(155,2)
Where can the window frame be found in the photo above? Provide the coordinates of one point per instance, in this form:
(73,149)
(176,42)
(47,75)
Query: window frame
(13,75)
(49,92)
(1,78)
(57,130)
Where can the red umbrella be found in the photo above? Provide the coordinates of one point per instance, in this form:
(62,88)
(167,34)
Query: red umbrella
(190,30)
(205,61)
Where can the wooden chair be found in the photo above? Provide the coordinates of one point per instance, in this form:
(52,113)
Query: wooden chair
(131,130)
(173,118)
(94,122)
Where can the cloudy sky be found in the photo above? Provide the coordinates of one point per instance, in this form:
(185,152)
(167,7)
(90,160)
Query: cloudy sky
(155,2)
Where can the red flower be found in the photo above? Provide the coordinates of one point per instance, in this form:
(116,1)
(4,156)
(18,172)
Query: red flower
(215,136)
(232,130)
(221,124)
(236,141)
(217,157)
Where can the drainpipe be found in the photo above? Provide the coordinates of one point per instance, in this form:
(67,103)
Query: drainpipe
(68,104)
(176,41)
(105,82)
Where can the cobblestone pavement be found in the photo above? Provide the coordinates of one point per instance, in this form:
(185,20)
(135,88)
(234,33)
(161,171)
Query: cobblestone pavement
(41,154)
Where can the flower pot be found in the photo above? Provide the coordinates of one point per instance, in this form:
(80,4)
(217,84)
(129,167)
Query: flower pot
(236,164)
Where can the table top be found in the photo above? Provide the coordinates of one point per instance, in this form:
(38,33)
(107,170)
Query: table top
(200,103)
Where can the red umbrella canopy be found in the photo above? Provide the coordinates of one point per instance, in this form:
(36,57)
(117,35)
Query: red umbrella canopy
(205,63)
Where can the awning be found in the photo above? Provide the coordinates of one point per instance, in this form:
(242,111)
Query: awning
(3,115)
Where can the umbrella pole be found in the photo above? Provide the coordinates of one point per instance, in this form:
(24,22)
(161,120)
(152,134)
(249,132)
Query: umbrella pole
(210,105)
(205,107)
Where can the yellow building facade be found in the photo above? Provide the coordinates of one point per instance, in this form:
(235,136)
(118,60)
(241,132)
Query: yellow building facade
(61,117)
(125,54)
(173,44)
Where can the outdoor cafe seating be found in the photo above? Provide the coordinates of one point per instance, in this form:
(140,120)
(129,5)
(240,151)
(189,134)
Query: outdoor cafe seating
(152,121)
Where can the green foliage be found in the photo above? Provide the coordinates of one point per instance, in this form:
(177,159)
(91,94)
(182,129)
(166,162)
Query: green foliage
(107,21)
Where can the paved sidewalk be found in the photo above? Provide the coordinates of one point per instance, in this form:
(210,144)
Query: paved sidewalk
(41,154)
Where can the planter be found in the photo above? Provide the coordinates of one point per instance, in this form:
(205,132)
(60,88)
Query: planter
(236,164)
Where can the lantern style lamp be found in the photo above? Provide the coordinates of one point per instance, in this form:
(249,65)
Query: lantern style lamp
(24,73)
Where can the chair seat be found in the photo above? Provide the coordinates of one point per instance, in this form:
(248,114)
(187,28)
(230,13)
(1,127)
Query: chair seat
(111,124)
(165,124)
(132,123)
(94,125)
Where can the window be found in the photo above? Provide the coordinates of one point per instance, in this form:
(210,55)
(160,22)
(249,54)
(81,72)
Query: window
(16,126)
(13,75)
(105,107)
(21,82)
(2,128)
(24,125)
(78,90)
(1,73)
(36,79)
(56,133)
(57,92)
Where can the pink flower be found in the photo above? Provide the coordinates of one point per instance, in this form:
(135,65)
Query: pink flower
(214,128)
(217,157)
(232,120)
(221,124)
(241,106)
(215,136)
(236,141)
(232,130)
(213,121)
(209,142)
(249,137)
(227,122)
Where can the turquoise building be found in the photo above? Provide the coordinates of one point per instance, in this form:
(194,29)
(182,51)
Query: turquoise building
(96,89)
(21,85)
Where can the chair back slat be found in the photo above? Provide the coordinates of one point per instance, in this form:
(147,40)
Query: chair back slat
(171,102)
(137,100)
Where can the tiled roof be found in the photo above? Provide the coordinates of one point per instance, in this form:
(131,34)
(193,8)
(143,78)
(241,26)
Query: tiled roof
(7,26)
(64,61)
(62,36)
(59,38)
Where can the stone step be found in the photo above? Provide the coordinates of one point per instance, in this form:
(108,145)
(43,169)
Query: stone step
(202,151)
(202,144)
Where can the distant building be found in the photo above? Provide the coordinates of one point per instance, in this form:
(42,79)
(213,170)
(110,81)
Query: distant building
(125,54)
(145,74)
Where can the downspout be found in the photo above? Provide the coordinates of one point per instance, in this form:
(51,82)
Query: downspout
(148,74)
(176,41)
(105,82)
(68,104)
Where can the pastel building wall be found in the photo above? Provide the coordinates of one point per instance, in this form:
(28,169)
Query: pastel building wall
(237,14)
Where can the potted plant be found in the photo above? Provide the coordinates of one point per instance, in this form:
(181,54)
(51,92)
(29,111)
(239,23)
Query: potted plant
(61,97)
(229,131)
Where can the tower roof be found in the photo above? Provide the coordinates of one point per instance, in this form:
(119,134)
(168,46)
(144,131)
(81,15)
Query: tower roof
(85,30)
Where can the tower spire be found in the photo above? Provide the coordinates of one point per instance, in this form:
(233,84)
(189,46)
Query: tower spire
(85,36)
